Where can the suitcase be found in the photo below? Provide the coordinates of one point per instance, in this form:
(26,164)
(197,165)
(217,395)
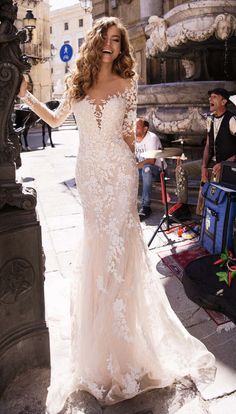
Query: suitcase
(218,218)
(228,175)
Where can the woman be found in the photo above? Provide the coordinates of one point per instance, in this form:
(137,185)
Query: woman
(125,337)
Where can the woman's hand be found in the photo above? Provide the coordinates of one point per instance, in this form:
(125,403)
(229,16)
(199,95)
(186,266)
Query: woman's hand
(23,88)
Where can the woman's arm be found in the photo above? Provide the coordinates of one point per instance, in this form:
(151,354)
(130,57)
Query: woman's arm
(53,118)
(130,116)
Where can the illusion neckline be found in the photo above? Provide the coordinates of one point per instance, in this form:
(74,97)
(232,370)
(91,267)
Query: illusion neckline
(117,94)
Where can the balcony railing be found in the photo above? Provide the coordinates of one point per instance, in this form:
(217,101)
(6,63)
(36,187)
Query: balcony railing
(32,50)
(35,52)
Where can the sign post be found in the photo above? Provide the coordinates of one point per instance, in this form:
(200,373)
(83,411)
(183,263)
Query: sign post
(66,52)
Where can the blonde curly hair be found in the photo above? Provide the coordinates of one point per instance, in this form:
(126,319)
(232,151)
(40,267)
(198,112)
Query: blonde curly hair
(89,62)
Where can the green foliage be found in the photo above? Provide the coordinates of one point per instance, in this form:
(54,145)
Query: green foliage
(223,276)
(227,276)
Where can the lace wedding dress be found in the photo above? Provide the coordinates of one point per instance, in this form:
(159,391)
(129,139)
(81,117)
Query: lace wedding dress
(125,336)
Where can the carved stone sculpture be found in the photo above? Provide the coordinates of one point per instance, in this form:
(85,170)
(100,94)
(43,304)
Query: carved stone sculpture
(12,65)
(193,122)
(157,31)
(223,26)
(192,64)
(23,333)
(194,43)
(190,67)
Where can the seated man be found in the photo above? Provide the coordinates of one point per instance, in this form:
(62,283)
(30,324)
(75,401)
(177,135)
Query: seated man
(220,146)
(148,168)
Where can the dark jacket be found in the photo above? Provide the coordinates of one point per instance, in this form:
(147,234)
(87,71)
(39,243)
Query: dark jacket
(225,143)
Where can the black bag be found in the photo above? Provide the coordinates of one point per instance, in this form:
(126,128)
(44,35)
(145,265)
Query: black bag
(201,285)
(228,174)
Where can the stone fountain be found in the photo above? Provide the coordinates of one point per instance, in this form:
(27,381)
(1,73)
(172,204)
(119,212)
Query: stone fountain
(192,49)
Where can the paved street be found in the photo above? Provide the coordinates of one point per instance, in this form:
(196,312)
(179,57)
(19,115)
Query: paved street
(51,172)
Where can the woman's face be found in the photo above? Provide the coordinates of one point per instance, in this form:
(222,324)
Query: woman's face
(111,45)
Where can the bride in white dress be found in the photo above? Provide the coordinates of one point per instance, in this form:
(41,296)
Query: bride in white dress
(125,336)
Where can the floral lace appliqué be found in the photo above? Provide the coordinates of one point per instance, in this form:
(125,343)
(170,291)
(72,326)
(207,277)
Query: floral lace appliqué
(131,382)
(100,284)
(53,118)
(120,323)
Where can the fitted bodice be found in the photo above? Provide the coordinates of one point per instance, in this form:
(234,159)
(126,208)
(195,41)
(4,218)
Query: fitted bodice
(107,121)
(105,164)
(98,121)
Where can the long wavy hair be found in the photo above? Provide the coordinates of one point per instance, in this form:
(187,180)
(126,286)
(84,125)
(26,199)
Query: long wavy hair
(89,62)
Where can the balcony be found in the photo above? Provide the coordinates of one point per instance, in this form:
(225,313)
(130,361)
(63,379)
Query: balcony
(35,52)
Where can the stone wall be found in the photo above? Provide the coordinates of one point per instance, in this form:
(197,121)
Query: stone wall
(39,48)
(73,16)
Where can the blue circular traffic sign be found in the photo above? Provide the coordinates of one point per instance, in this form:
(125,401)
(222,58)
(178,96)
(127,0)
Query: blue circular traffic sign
(66,52)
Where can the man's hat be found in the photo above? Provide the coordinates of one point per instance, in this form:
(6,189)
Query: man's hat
(220,91)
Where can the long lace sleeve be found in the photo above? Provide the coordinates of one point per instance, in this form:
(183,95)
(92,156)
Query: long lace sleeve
(53,118)
(130,114)
(131,109)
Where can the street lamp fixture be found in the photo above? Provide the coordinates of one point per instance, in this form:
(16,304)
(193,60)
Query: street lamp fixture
(86,5)
(29,23)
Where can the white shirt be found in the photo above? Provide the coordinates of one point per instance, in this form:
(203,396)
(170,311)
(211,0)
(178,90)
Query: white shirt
(150,142)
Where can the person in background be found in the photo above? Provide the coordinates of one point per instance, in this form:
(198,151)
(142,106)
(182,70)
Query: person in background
(220,146)
(149,168)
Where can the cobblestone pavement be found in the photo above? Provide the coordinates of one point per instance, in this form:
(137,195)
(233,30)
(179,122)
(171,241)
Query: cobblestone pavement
(51,172)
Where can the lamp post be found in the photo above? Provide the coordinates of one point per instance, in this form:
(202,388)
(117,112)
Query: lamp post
(29,23)
(86,5)
(23,333)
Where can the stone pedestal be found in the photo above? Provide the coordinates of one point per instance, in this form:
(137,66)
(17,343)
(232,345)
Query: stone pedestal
(24,341)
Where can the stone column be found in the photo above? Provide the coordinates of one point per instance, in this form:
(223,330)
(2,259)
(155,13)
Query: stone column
(150,7)
(23,333)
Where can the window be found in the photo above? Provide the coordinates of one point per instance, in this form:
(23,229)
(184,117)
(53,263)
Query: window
(51,71)
(50,29)
(80,41)
(66,42)
(66,26)
(81,22)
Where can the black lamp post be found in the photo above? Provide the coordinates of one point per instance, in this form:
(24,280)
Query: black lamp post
(29,23)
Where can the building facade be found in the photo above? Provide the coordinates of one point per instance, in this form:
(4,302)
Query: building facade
(135,15)
(69,25)
(183,34)
(38,49)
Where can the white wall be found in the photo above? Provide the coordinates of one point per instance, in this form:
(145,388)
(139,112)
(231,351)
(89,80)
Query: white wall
(59,36)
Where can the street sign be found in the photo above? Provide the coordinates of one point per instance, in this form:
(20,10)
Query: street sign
(66,52)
